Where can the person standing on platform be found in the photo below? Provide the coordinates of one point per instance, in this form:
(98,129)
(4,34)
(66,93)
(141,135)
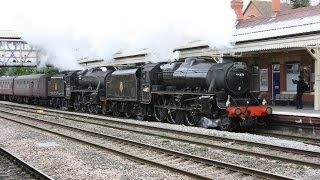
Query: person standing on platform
(301,88)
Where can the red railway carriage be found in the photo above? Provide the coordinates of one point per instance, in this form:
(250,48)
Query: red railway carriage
(31,86)
(6,87)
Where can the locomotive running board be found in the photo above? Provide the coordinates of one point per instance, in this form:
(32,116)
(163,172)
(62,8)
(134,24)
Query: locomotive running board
(183,92)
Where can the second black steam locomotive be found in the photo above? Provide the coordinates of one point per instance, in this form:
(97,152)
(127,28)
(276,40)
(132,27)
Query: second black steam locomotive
(192,92)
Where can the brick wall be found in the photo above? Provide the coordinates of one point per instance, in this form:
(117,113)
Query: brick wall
(265,60)
(252,11)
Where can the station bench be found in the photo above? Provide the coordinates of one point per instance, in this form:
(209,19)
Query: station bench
(283,99)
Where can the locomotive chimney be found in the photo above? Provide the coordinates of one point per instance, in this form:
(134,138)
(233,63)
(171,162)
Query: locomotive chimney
(237,6)
(275,7)
(227,58)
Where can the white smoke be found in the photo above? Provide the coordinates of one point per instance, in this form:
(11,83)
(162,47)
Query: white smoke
(68,30)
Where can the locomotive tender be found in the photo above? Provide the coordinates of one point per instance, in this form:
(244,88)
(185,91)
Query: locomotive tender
(193,92)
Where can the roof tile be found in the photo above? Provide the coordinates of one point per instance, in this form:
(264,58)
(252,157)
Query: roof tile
(285,15)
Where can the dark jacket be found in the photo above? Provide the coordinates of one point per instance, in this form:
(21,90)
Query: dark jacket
(301,85)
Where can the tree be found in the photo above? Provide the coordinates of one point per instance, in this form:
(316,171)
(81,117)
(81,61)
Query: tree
(17,71)
(299,3)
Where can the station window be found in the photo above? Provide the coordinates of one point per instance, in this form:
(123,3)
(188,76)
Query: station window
(293,71)
(276,67)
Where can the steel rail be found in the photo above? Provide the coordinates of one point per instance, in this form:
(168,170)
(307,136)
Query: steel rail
(24,166)
(192,134)
(198,159)
(192,141)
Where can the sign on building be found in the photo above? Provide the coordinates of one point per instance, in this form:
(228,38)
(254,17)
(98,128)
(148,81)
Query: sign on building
(263,79)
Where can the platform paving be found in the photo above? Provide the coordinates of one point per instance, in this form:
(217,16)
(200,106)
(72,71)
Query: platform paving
(307,111)
(289,114)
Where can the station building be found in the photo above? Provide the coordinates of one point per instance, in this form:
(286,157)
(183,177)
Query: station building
(278,46)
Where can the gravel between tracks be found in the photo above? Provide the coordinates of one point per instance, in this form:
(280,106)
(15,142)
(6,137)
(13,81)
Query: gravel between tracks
(291,170)
(212,132)
(296,171)
(65,159)
(231,135)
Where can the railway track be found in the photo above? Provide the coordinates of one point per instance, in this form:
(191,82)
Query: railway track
(276,152)
(187,164)
(306,140)
(12,167)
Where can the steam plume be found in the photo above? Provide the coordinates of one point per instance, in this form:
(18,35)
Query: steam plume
(67,30)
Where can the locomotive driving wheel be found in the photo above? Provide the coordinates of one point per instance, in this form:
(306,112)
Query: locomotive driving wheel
(116,109)
(83,108)
(190,118)
(175,116)
(91,108)
(53,103)
(59,103)
(65,105)
(128,114)
(160,114)
(127,109)
(76,103)
(140,116)
(97,109)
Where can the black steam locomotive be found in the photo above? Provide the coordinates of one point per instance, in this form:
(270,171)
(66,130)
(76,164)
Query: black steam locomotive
(192,92)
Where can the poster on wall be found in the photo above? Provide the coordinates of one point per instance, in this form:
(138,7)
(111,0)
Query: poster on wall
(263,79)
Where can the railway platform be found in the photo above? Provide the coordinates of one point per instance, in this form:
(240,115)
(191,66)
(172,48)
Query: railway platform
(289,114)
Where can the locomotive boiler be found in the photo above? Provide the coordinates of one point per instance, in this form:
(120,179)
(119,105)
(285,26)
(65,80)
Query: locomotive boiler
(93,78)
(194,73)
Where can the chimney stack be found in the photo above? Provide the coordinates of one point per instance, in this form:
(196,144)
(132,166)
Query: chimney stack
(237,6)
(275,7)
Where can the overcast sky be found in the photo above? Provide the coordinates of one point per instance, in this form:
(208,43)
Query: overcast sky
(101,28)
